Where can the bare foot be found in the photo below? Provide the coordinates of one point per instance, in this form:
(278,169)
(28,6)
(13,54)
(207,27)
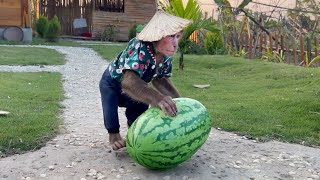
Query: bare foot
(116,141)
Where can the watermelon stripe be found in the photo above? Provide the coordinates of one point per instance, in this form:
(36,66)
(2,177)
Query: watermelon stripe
(157,141)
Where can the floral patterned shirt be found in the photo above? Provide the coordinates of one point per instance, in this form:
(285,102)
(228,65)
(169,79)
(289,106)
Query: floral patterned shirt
(139,56)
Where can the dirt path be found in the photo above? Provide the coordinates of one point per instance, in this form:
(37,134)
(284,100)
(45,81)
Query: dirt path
(80,152)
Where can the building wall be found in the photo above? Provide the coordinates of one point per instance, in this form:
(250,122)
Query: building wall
(135,12)
(10,13)
(15,13)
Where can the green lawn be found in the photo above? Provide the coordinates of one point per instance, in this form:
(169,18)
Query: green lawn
(33,100)
(10,55)
(41,41)
(258,99)
(109,52)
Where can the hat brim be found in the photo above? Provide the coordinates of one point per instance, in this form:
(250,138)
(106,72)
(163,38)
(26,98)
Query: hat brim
(161,25)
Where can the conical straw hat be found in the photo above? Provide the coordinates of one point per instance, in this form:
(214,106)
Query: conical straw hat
(161,25)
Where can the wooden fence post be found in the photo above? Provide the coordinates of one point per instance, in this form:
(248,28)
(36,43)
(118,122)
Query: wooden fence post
(260,41)
(294,50)
(250,47)
(276,42)
(246,42)
(301,49)
(309,56)
(316,45)
(270,42)
(287,39)
(240,41)
(265,42)
(282,43)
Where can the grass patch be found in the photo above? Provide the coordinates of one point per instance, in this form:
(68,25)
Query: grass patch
(30,56)
(258,99)
(41,41)
(33,101)
(108,52)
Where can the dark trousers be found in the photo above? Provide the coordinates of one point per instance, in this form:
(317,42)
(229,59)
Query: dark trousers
(112,98)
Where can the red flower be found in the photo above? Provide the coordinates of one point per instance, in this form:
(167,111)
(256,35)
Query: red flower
(130,52)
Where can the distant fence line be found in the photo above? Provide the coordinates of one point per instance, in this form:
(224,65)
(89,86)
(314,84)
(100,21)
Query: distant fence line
(290,50)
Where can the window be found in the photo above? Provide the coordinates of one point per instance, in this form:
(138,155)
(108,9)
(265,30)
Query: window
(110,5)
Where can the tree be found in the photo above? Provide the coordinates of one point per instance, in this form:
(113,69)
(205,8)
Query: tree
(191,11)
(305,19)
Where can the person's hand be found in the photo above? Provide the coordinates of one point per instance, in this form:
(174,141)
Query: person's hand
(168,106)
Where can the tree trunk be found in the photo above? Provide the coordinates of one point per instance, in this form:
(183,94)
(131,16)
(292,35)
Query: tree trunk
(181,63)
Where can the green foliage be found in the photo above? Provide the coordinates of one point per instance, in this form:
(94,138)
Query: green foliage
(274,56)
(272,24)
(236,53)
(213,43)
(42,25)
(244,3)
(54,30)
(193,12)
(194,48)
(312,61)
(108,34)
(132,32)
(225,6)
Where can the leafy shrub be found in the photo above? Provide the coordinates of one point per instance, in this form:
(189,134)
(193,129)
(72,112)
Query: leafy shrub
(194,48)
(54,30)
(42,26)
(109,33)
(132,32)
(213,43)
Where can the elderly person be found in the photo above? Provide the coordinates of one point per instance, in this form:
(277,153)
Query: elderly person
(147,58)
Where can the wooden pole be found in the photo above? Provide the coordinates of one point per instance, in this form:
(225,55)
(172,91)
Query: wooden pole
(250,47)
(316,45)
(265,42)
(247,42)
(301,50)
(240,41)
(282,43)
(294,50)
(308,50)
(260,45)
(270,42)
(276,42)
(287,39)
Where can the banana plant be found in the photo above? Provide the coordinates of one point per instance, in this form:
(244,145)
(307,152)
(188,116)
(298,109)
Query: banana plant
(313,61)
(191,11)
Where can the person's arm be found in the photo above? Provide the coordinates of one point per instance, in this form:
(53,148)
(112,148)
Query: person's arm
(165,86)
(139,90)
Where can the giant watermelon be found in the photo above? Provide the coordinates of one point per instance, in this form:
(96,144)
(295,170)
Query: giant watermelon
(157,141)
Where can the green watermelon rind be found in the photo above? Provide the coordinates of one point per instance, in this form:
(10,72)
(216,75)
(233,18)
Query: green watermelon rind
(196,130)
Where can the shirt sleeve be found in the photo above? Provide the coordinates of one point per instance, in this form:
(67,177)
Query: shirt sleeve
(133,57)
